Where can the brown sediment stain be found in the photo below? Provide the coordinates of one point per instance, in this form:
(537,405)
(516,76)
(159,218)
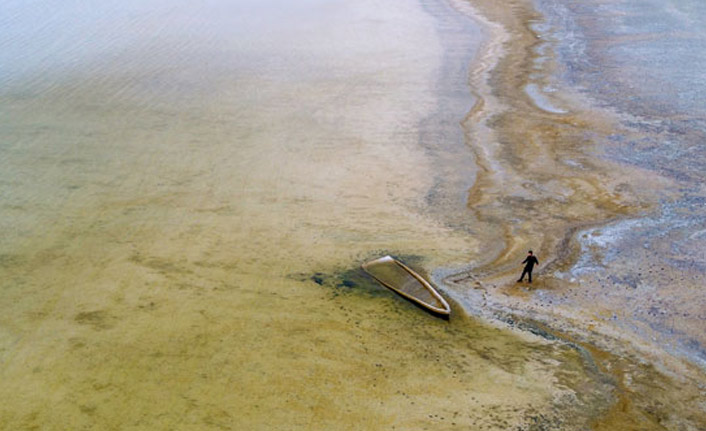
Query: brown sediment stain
(642,393)
(641,397)
(538,170)
(540,180)
(161,265)
(9,260)
(98,319)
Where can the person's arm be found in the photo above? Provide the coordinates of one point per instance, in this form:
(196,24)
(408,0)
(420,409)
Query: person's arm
(525,261)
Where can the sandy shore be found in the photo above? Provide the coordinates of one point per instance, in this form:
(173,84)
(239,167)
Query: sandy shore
(544,184)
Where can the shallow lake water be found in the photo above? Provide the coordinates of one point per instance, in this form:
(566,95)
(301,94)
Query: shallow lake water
(187,192)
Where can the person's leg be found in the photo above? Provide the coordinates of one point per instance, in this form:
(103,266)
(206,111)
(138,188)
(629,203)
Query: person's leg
(529,275)
(523,275)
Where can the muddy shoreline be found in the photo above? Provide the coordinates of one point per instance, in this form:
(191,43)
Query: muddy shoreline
(542,183)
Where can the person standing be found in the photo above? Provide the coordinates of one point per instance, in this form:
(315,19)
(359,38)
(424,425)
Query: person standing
(529,263)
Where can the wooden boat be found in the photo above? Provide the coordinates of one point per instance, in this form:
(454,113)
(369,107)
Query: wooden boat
(397,276)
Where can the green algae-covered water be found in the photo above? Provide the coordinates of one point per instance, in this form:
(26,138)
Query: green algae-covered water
(186,191)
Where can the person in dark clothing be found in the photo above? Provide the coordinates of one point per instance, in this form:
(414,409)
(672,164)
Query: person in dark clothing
(529,262)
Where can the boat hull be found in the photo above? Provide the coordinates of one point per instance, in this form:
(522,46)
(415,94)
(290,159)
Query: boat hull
(401,279)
